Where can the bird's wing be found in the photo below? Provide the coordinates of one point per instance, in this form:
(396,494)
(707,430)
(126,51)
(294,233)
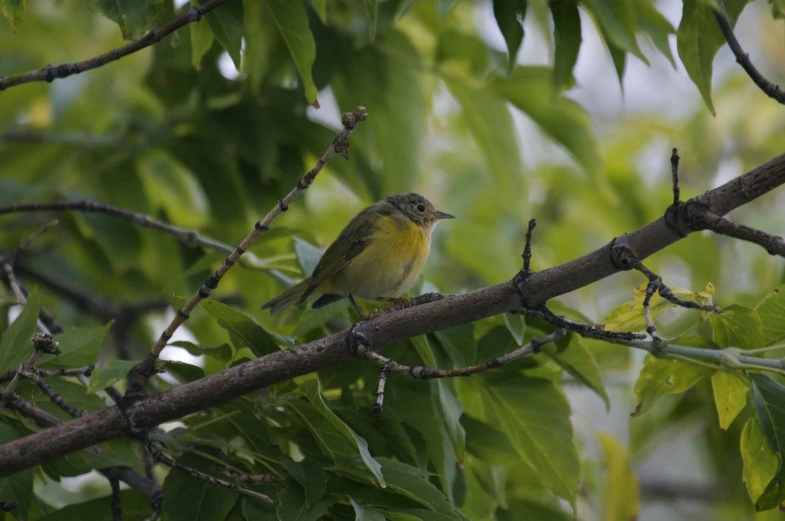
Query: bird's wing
(350,243)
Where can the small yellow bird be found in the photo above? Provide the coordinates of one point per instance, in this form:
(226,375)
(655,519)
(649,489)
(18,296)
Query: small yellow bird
(378,256)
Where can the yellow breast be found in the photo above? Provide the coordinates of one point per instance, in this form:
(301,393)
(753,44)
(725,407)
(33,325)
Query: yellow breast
(390,264)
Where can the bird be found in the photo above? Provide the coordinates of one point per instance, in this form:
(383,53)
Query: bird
(377,256)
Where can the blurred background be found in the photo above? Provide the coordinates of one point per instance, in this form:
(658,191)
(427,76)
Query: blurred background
(195,140)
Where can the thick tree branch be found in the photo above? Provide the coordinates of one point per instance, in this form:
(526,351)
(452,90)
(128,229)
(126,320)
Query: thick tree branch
(49,73)
(383,331)
(147,487)
(773,91)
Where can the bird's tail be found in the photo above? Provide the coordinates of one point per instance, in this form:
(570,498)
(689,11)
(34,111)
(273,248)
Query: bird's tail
(296,294)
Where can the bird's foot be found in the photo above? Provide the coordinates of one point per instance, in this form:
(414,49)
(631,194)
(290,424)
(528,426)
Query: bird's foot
(376,314)
(401,303)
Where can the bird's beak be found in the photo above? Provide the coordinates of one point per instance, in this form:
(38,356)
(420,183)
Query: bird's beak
(442,215)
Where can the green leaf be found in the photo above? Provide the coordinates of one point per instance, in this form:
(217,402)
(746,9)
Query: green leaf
(567,40)
(771,312)
(310,475)
(292,506)
(15,343)
(192,499)
(491,125)
(226,23)
(79,346)
(620,498)
(410,482)
(516,325)
(313,392)
(103,377)
(660,377)
(760,462)
(133,16)
(737,326)
(292,21)
(536,416)
(656,26)
(403,8)
(320,6)
(311,318)
(368,9)
(768,401)
(529,508)
(363,513)
(243,330)
(19,485)
(222,353)
(530,89)
(488,443)
(699,38)
(730,396)
(452,409)
(458,342)
(509,16)
(182,371)
(12,11)
(629,316)
(308,255)
(572,355)
(617,20)
(201,41)
(256,511)
(135,507)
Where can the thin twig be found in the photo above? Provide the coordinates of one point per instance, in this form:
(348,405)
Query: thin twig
(771,243)
(585,330)
(527,249)
(656,285)
(675,176)
(70,371)
(117,507)
(33,236)
(67,138)
(161,457)
(49,73)
(52,394)
(388,365)
(252,478)
(340,144)
(190,238)
(43,344)
(773,91)
(7,506)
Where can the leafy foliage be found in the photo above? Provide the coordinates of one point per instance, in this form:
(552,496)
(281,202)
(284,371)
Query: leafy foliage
(212,125)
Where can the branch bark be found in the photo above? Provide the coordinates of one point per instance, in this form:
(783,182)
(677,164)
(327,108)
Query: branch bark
(49,73)
(389,328)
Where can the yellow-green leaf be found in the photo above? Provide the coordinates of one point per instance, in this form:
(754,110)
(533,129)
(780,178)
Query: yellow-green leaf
(737,326)
(12,11)
(760,462)
(771,312)
(620,499)
(660,377)
(730,396)
(629,316)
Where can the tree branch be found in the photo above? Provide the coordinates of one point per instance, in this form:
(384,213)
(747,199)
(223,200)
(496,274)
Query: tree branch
(773,91)
(49,73)
(389,328)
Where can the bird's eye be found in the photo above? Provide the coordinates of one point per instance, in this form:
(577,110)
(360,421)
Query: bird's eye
(421,208)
